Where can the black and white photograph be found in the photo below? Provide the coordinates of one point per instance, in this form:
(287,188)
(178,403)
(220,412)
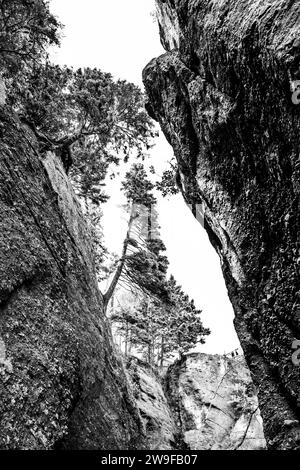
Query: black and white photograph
(149,229)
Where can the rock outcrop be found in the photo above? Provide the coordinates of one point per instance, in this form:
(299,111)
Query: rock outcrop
(226,97)
(159,422)
(215,402)
(204,402)
(61,382)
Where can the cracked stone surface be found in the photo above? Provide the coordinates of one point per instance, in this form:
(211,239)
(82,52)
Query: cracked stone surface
(218,405)
(204,402)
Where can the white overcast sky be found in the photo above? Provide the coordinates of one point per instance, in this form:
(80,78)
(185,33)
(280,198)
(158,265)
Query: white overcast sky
(121,37)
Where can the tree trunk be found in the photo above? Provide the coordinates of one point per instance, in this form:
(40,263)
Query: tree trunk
(149,222)
(126,340)
(111,289)
(162,352)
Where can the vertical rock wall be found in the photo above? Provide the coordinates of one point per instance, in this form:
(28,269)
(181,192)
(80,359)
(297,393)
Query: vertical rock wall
(225,95)
(61,382)
(203,402)
(215,402)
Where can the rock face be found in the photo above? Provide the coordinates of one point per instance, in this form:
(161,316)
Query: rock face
(205,402)
(159,422)
(225,95)
(216,403)
(61,383)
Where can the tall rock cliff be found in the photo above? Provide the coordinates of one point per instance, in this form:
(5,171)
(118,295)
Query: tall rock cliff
(204,402)
(61,382)
(225,96)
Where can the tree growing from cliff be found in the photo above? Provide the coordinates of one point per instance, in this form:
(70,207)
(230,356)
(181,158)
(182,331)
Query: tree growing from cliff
(185,328)
(142,262)
(27,29)
(105,262)
(164,321)
(147,327)
(169,183)
(157,329)
(89,119)
(138,326)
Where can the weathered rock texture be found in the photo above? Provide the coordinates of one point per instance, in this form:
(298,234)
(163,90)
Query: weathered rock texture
(205,402)
(223,96)
(215,402)
(161,430)
(61,383)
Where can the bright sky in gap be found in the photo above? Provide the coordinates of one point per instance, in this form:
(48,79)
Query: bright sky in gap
(121,37)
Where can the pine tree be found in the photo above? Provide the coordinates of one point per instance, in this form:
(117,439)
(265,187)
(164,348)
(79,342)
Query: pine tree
(158,329)
(142,262)
(90,120)
(185,328)
(27,29)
